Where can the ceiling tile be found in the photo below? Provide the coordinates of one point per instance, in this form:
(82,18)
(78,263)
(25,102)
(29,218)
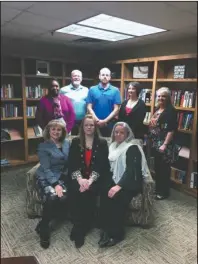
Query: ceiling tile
(8,13)
(29,19)
(64,11)
(184,5)
(17,5)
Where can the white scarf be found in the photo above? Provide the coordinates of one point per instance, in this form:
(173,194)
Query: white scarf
(117,158)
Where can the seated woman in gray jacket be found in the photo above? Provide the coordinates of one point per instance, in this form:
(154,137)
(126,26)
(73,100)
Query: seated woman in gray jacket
(53,154)
(128,167)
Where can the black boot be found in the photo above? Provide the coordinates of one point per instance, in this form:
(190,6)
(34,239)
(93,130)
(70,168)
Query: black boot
(104,239)
(44,233)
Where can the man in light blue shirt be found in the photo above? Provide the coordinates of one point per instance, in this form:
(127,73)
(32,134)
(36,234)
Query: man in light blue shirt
(78,95)
(103,103)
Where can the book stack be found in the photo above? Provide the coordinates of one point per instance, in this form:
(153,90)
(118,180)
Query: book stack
(35,92)
(7,91)
(9,110)
(147,118)
(184,99)
(185,121)
(193,180)
(178,175)
(145,95)
(31,110)
(34,131)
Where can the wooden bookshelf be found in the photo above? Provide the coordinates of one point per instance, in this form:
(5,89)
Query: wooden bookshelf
(21,73)
(161,73)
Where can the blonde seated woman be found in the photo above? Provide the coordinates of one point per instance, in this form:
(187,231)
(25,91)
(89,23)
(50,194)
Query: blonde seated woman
(129,168)
(53,155)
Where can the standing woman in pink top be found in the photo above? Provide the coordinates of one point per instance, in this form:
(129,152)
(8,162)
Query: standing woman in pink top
(55,106)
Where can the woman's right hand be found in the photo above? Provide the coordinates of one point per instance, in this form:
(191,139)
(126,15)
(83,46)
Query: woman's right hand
(59,190)
(84,184)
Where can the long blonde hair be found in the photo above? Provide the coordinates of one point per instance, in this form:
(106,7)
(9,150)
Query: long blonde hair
(54,123)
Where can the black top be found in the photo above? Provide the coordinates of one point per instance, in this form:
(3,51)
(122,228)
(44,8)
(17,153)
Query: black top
(167,122)
(132,178)
(99,163)
(135,118)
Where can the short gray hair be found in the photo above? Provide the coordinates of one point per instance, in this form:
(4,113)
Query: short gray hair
(168,93)
(76,71)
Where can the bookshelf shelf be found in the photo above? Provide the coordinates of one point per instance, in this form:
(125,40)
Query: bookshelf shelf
(16,162)
(11,140)
(42,76)
(30,117)
(10,75)
(185,131)
(175,181)
(11,118)
(116,80)
(177,80)
(33,158)
(11,99)
(33,99)
(29,138)
(138,80)
(185,109)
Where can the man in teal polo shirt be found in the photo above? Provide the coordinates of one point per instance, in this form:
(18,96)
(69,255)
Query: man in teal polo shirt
(103,102)
(77,94)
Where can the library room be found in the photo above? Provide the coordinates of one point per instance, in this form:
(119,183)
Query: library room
(98,132)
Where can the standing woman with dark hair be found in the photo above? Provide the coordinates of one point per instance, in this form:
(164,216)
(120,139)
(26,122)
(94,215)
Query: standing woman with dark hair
(162,128)
(133,110)
(88,169)
(55,106)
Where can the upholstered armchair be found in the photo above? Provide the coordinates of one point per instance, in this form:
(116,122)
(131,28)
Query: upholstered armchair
(141,208)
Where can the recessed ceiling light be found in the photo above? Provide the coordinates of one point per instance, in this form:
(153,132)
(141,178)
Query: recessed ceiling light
(93,33)
(120,25)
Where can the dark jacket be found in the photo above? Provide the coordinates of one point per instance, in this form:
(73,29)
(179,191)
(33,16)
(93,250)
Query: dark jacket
(168,120)
(132,179)
(135,118)
(99,161)
(52,162)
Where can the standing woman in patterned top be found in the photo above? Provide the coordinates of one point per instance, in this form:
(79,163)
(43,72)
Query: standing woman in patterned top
(162,129)
(133,110)
(88,170)
(55,106)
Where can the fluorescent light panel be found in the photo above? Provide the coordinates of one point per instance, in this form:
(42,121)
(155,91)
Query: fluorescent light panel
(120,25)
(80,30)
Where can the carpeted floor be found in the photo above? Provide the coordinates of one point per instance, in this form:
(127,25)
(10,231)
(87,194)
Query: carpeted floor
(172,240)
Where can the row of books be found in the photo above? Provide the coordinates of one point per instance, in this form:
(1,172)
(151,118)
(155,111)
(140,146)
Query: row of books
(35,91)
(7,91)
(145,95)
(34,131)
(185,121)
(31,110)
(193,180)
(178,175)
(9,110)
(147,117)
(181,98)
